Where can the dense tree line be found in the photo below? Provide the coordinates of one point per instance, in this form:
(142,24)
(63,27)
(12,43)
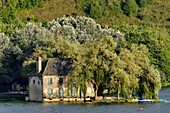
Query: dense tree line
(15,13)
(101,56)
(97,8)
(157,41)
(8,13)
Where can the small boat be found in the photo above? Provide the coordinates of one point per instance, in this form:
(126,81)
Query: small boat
(132,100)
(146,100)
(162,100)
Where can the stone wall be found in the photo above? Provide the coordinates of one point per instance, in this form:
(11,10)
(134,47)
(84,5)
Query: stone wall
(35,88)
(47,86)
(56,87)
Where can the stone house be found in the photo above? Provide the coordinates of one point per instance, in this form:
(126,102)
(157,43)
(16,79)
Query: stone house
(50,81)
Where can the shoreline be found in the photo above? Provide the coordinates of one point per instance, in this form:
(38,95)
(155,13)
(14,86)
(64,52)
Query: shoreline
(12,96)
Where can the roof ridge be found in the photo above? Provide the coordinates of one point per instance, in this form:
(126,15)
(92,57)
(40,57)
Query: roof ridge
(46,66)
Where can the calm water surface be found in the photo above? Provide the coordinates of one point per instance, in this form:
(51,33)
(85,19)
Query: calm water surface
(33,107)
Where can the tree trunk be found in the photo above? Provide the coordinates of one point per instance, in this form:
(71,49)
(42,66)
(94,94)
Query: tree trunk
(96,92)
(84,99)
(130,95)
(108,91)
(118,91)
(84,91)
(80,93)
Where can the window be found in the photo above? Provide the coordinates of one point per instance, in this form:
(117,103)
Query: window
(72,92)
(60,92)
(50,81)
(33,81)
(61,80)
(38,82)
(50,91)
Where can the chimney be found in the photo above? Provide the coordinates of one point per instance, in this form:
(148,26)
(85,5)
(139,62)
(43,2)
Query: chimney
(38,65)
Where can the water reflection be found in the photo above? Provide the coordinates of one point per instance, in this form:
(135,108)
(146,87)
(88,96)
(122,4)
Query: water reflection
(165,93)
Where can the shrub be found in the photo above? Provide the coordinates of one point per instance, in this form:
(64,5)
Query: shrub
(95,10)
(141,3)
(129,7)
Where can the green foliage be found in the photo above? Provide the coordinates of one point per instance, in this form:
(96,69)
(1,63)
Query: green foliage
(29,3)
(157,41)
(129,7)
(4,42)
(8,15)
(8,60)
(103,67)
(30,37)
(95,10)
(0,3)
(104,11)
(9,20)
(113,7)
(97,53)
(13,3)
(141,3)
(97,58)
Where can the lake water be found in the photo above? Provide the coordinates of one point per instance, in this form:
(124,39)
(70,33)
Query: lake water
(33,107)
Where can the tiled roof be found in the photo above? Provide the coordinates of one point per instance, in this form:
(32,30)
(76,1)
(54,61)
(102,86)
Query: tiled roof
(58,66)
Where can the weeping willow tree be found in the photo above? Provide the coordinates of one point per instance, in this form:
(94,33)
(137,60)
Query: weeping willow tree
(149,77)
(131,74)
(122,82)
(132,69)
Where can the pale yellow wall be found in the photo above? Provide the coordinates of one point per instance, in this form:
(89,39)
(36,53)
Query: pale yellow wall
(53,86)
(67,92)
